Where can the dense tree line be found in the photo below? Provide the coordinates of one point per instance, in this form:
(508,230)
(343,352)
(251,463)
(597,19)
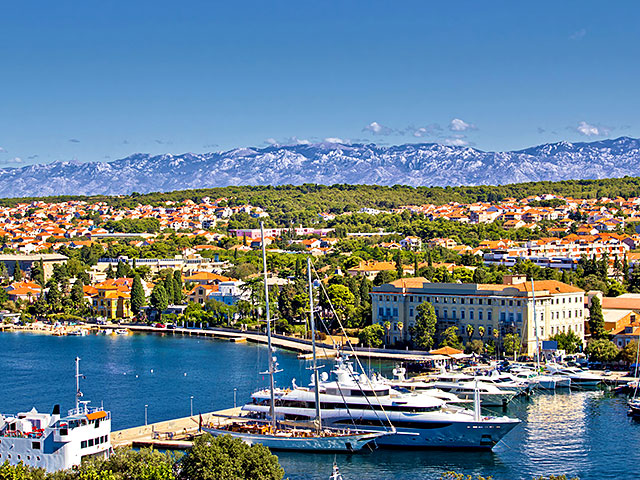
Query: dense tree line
(290,204)
(222,458)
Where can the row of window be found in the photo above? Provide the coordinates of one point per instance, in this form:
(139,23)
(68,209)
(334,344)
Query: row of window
(94,441)
(504,316)
(19,457)
(454,315)
(476,301)
(565,314)
(565,328)
(454,300)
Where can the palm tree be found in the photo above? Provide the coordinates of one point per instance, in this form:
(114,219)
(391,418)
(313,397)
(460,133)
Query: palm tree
(400,327)
(481,332)
(387,326)
(469,330)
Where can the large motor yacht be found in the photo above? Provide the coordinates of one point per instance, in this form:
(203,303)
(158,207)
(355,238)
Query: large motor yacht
(355,400)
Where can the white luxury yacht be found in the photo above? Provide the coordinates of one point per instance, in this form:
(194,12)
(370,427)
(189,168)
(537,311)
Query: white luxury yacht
(490,394)
(579,378)
(508,381)
(355,400)
(405,385)
(541,381)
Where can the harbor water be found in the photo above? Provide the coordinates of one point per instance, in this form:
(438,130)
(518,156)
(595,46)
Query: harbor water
(585,434)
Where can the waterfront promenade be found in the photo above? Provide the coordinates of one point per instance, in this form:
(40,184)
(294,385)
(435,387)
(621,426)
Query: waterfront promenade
(300,346)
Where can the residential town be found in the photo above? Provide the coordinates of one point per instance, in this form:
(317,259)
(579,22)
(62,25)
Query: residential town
(478,286)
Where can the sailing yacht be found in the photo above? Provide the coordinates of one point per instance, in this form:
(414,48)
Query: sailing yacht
(634,403)
(356,400)
(291,435)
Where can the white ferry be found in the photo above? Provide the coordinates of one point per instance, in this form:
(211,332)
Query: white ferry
(54,442)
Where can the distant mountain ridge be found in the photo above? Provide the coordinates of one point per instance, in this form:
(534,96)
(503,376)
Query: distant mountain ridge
(427,164)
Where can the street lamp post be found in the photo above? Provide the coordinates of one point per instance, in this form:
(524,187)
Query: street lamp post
(192,405)
(145,414)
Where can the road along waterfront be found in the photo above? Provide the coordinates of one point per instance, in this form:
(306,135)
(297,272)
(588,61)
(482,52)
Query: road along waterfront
(582,433)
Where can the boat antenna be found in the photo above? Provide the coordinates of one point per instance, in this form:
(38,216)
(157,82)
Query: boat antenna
(78,392)
(635,392)
(313,345)
(535,326)
(271,372)
(353,351)
(476,402)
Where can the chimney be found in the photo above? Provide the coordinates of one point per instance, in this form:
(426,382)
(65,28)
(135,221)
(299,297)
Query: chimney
(514,279)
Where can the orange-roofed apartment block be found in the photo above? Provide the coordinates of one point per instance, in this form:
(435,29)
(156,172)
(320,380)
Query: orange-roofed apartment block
(507,308)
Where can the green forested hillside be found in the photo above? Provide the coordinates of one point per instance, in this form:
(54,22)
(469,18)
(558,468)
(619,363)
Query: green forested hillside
(294,204)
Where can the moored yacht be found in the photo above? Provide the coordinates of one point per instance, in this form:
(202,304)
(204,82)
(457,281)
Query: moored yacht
(400,383)
(310,436)
(490,394)
(579,378)
(357,401)
(508,381)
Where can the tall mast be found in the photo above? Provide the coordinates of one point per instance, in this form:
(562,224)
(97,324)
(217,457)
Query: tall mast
(313,345)
(535,325)
(272,408)
(78,392)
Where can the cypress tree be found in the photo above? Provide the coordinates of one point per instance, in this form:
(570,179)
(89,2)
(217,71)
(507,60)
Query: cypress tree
(137,295)
(625,269)
(398,259)
(178,296)
(168,287)
(17,273)
(159,299)
(37,272)
(596,320)
(110,273)
(54,297)
(77,293)
(121,270)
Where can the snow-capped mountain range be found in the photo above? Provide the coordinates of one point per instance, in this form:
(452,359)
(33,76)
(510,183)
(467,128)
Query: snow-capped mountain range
(427,164)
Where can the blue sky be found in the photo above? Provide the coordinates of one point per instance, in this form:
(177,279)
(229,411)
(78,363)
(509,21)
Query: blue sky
(89,80)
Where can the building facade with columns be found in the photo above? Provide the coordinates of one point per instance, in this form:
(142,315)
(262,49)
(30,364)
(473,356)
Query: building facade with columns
(506,308)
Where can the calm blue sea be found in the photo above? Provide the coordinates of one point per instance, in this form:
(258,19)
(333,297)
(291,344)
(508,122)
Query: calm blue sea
(586,434)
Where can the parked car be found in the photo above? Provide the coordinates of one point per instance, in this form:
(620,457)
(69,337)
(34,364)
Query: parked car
(160,325)
(171,326)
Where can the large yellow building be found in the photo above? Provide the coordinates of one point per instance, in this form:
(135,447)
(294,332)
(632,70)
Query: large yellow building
(507,308)
(112,298)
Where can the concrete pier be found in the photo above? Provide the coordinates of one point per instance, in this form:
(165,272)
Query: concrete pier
(174,434)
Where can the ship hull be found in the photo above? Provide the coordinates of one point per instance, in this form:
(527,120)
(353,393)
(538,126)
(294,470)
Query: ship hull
(339,443)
